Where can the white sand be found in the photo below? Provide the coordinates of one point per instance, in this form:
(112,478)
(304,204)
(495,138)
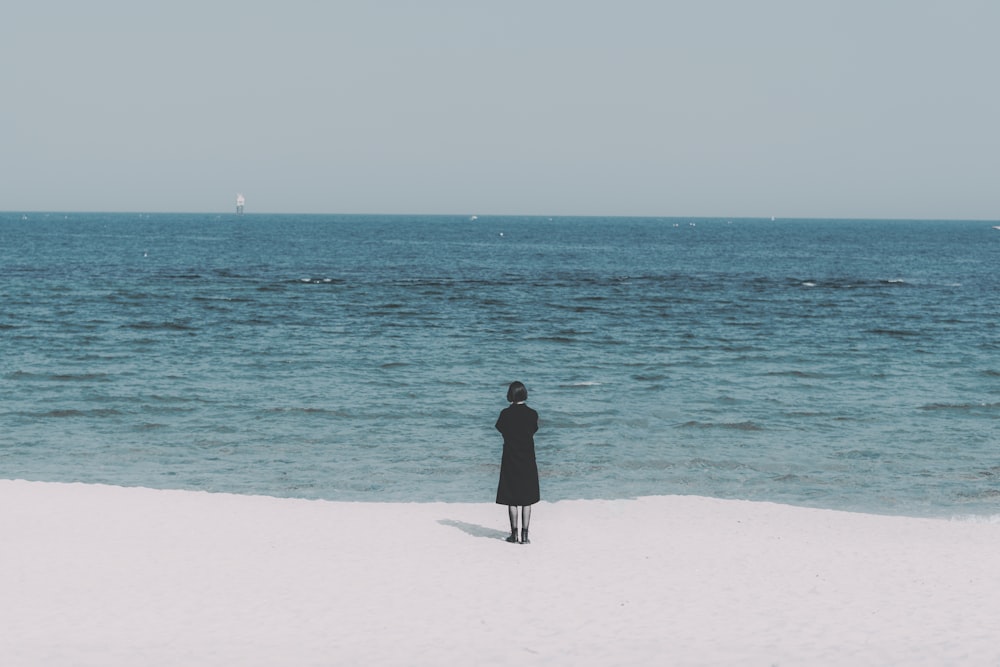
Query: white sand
(100,575)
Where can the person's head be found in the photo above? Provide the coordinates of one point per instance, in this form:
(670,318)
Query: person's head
(517,392)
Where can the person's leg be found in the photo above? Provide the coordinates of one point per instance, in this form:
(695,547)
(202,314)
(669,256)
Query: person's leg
(525,520)
(512,512)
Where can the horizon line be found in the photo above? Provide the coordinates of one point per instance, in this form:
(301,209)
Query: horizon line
(476,216)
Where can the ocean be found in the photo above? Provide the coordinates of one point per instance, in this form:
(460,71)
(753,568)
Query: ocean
(842,364)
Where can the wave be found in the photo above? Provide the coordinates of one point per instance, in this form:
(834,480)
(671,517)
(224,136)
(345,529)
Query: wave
(227,299)
(668,288)
(553,339)
(80,377)
(318,281)
(128,295)
(859,454)
(160,326)
(182,276)
(960,407)
(150,426)
(312,411)
(790,478)
(982,494)
(718,465)
(650,377)
(895,333)
(64,413)
(838,283)
(977,518)
(739,426)
(60,377)
(807,375)
(228,273)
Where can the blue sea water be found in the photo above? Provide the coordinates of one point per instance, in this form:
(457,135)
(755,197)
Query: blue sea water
(826,363)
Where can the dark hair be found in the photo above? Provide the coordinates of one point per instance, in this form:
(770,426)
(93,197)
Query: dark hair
(517,392)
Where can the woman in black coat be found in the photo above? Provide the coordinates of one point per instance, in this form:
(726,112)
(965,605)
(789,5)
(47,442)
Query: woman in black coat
(518,485)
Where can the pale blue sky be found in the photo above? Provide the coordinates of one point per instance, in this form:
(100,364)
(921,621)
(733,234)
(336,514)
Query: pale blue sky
(878,108)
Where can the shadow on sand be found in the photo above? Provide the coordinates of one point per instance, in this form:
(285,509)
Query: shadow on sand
(475,530)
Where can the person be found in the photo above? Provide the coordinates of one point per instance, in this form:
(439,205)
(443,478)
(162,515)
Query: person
(518,487)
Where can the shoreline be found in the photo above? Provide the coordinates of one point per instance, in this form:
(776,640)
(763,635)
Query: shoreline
(105,575)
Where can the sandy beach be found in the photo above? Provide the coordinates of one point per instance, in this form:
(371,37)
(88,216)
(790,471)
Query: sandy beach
(101,575)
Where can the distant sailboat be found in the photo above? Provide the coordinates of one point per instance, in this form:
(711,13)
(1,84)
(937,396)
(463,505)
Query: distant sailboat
(240,201)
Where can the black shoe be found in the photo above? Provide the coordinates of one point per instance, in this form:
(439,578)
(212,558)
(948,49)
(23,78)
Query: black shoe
(524,537)
(512,538)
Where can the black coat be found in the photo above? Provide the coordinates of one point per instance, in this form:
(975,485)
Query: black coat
(518,470)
